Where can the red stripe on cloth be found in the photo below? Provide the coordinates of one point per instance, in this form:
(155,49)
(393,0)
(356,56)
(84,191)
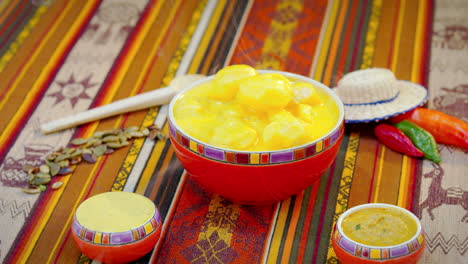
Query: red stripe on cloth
(12,18)
(18,24)
(339,70)
(392,41)
(359,32)
(426,58)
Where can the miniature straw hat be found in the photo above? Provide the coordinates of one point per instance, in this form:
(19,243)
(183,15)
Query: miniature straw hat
(375,94)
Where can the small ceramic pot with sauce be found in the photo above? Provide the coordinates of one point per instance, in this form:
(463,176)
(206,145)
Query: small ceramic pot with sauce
(378,233)
(116,227)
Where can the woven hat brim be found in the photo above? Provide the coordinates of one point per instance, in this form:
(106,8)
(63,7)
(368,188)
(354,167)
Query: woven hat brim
(411,96)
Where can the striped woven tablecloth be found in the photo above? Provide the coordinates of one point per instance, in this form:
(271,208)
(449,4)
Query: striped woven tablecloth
(59,57)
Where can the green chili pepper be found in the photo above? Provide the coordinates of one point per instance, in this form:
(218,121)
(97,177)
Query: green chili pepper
(422,139)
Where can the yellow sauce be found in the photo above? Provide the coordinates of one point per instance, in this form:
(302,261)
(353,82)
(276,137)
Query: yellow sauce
(115,211)
(379,226)
(240,109)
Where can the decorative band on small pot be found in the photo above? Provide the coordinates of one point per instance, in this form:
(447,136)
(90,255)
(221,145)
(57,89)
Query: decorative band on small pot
(378,253)
(117,238)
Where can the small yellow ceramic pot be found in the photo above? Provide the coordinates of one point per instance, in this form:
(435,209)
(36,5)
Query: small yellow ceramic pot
(116,227)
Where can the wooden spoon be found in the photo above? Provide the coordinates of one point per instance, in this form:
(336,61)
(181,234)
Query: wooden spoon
(159,96)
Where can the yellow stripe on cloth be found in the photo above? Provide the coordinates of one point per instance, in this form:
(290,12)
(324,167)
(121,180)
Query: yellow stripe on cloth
(419,45)
(13,48)
(320,56)
(152,113)
(345,182)
(207,36)
(278,232)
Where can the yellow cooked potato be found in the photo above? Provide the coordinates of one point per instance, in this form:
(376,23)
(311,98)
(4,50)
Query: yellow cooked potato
(234,134)
(265,92)
(304,93)
(284,131)
(226,81)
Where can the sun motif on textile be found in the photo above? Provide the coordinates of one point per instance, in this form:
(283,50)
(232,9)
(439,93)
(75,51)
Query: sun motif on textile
(72,90)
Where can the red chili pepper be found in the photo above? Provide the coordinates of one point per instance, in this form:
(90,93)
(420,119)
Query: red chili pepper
(444,128)
(396,140)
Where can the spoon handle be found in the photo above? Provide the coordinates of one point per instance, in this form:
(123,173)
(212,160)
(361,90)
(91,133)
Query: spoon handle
(141,101)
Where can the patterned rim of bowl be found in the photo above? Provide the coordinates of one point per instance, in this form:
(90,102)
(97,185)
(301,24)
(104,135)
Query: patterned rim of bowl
(117,238)
(259,157)
(378,253)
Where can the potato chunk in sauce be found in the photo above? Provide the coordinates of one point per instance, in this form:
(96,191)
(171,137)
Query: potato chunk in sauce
(379,226)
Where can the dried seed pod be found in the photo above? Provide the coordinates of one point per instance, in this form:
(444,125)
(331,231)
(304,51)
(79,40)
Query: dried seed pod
(75,160)
(114,145)
(136,134)
(62,157)
(79,141)
(98,134)
(57,185)
(64,163)
(99,150)
(77,153)
(145,131)
(42,175)
(153,134)
(91,141)
(109,151)
(40,180)
(122,138)
(44,169)
(87,151)
(97,143)
(65,170)
(32,190)
(90,158)
(131,129)
(54,168)
(110,138)
(51,156)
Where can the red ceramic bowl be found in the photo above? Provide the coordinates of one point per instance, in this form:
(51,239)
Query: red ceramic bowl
(124,245)
(252,177)
(349,251)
